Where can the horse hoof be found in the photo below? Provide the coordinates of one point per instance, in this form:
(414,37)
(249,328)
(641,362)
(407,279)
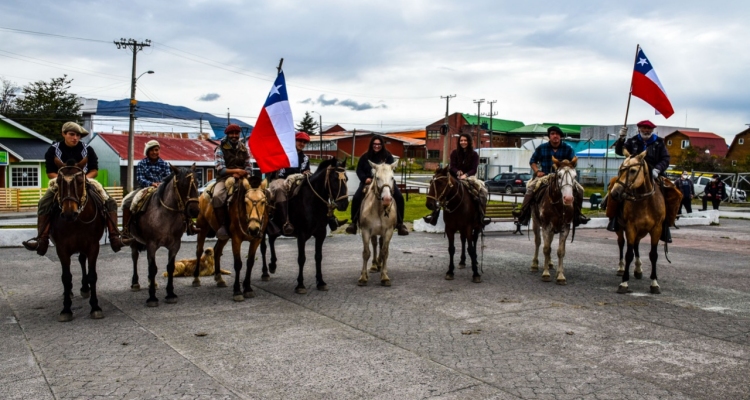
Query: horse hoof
(476,279)
(221,284)
(547,279)
(96,315)
(85,294)
(153,303)
(562,282)
(300,290)
(655,290)
(249,295)
(374,269)
(623,290)
(385,283)
(448,277)
(265,278)
(620,273)
(171,300)
(135,288)
(534,269)
(461,265)
(361,283)
(196,283)
(65,317)
(638,275)
(323,288)
(238,297)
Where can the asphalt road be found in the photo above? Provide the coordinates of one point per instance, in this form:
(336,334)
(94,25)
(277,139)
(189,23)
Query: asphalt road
(511,336)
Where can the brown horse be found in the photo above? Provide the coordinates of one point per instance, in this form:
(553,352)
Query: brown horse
(643,212)
(77,227)
(459,214)
(553,213)
(248,220)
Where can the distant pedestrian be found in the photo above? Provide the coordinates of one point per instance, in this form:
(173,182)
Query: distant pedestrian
(688,191)
(714,191)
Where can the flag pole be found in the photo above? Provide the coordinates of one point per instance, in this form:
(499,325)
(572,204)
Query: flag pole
(278,69)
(630,92)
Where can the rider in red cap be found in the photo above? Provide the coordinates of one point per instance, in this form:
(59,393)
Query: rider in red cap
(278,188)
(232,159)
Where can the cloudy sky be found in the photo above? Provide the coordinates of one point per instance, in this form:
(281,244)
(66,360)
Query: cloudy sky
(383,65)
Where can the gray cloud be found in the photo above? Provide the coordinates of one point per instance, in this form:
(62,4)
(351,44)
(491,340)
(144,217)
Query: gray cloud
(322,100)
(307,101)
(209,97)
(348,103)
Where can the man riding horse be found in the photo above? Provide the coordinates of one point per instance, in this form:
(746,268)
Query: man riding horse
(277,187)
(232,160)
(657,159)
(541,166)
(72,148)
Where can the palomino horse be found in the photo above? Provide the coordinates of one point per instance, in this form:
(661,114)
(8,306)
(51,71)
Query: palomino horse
(248,216)
(643,212)
(377,218)
(161,224)
(459,214)
(77,229)
(553,213)
(309,211)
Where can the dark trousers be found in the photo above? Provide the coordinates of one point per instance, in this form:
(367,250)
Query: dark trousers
(686,203)
(357,202)
(714,201)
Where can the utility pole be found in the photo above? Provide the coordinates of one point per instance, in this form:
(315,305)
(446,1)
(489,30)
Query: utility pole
(228,121)
(354,139)
(491,102)
(135,47)
(478,144)
(445,131)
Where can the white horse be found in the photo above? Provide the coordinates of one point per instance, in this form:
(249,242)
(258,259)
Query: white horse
(553,213)
(377,218)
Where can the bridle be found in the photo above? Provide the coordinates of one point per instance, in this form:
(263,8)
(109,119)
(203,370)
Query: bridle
(182,205)
(566,175)
(67,190)
(331,201)
(440,199)
(629,192)
(378,191)
(245,218)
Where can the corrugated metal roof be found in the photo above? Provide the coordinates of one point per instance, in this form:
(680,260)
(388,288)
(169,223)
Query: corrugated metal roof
(170,149)
(27,149)
(503,125)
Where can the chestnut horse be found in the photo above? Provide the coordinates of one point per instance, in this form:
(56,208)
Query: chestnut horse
(459,214)
(643,212)
(377,219)
(248,219)
(77,227)
(553,213)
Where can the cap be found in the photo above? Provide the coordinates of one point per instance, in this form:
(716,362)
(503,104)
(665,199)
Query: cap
(232,128)
(74,127)
(302,136)
(646,124)
(554,129)
(149,145)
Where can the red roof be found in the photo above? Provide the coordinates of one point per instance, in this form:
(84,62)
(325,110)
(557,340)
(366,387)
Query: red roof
(715,143)
(170,149)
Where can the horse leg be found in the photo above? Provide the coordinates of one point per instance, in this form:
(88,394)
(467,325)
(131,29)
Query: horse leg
(462,261)
(623,288)
(247,290)
(321,285)
(173,250)
(92,255)
(300,289)
(218,250)
(67,280)
(151,256)
(264,271)
(548,235)
(272,245)
(366,241)
(537,243)
(375,261)
(134,284)
(621,245)
(385,280)
(237,256)
(451,252)
(475,276)
(653,255)
(85,291)
(561,256)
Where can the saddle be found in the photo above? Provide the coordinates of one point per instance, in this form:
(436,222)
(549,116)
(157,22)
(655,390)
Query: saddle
(293,184)
(140,200)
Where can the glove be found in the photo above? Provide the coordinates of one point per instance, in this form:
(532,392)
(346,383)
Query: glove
(623,131)
(655,173)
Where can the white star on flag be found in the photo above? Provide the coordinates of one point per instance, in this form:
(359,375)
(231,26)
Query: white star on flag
(643,62)
(274,90)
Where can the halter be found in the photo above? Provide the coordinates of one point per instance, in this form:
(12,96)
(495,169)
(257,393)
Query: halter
(330,202)
(630,192)
(555,188)
(182,205)
(255,206)
(378,190)
(443,204)
(67,190)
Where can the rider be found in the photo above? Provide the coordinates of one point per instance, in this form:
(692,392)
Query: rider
(149,172)
(541,165)
(657,160)
(232,159)
(377,154)
(277,186)
(71,148)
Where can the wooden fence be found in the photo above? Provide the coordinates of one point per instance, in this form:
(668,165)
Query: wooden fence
(14,200)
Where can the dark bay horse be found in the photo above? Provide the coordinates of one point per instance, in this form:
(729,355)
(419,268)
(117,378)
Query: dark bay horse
(248,220)
(643,212)
(309,212)
(161,224)
(77,227)
(553,213)
(459,214)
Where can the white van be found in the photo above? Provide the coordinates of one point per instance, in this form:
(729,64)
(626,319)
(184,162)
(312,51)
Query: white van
(700,182)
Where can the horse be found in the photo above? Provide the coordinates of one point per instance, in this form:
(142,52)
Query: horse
(377,219)
(309,210)
(77,227)
(248,219)
(161,224)
(553,213)
(459,214)
(643,212)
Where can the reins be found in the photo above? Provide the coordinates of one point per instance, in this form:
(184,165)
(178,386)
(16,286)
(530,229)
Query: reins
(182,205)
(629,193)
(331,201)
(67,190)
(444,204)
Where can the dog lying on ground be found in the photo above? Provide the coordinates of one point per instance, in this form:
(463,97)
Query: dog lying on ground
(186,267)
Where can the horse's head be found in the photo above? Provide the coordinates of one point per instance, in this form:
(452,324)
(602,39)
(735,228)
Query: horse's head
(71,188)
(255,201)
(382,181)
(566,178)
(440,184)
(335,182)
(632,176)
(186,190)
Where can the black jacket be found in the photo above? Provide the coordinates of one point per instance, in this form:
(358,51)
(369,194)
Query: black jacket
(656,153)
(364,170)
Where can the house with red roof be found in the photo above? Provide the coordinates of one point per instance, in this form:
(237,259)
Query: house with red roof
(679,140)
(739,150)
(112,150)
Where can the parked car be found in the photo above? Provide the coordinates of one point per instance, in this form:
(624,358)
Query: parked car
(700,183)
(508,183)
(202,188)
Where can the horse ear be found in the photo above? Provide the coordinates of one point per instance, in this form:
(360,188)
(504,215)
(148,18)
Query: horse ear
(641,156)
(372,165)
(574,161)
(555,161)
(174,169)
(625,152)
(394,165)
(192,168)
(83,162)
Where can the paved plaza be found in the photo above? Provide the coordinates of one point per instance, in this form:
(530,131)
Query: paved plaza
(510,337)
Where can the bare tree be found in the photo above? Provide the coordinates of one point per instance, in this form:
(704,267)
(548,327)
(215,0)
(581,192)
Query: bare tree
(8,91)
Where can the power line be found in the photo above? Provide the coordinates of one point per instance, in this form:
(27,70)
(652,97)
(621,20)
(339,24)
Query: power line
(52,35)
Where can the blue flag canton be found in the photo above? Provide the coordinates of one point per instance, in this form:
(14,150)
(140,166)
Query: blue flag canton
(642,64)
(277,92)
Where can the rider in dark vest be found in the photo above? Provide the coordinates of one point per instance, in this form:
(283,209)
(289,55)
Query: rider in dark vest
(232,159)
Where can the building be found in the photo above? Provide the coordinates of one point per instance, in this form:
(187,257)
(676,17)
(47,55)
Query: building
(486,132)
(22,156)
(679,140)
(343,144)
(601,132)
(739,150)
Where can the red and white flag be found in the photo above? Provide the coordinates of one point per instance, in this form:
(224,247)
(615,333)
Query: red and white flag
(272,139)
(647,87)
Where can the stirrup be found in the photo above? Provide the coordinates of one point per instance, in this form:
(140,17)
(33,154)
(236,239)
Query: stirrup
(351,229)
(31,244)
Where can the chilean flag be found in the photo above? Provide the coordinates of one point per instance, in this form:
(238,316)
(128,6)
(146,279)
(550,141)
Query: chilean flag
(647,87)
(272,139)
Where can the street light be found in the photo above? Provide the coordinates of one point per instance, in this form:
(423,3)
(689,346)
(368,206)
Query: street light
(320,139)
(131,131)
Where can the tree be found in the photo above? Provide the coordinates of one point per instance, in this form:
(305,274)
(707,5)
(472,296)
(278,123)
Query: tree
(46,106)
(695,158)
(7,95)
(308,125)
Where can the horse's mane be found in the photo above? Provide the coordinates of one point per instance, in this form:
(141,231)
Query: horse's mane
(163,187)
(323,166)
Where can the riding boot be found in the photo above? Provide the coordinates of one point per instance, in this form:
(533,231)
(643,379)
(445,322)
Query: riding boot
(666,236)
(524,214)
(432,219)
(221,218)
(41,242)
(287,228)
(191,228)
(402,229)
(334,223)
(127,238)
(114,234)
(613,225)
(352,228)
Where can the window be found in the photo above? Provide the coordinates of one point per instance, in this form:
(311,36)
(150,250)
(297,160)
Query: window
(24,177)
(199,177)
(669,142)
(433,134)
(433,153)
(685,143)
(741,141)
